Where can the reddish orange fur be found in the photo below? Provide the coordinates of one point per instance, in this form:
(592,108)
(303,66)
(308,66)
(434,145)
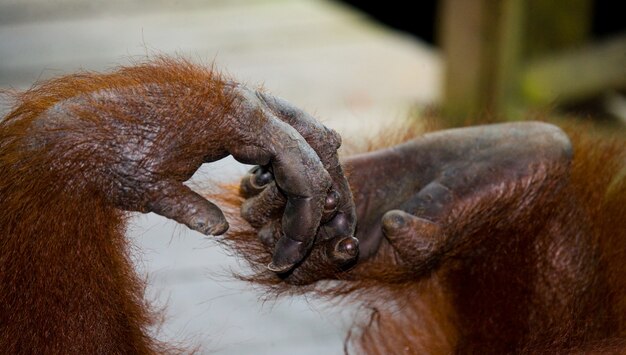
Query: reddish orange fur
(66,282)
(574,248)
(67,285)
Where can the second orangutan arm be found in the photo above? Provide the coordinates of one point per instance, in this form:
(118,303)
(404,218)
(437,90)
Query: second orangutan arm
(410,195)
(421,197)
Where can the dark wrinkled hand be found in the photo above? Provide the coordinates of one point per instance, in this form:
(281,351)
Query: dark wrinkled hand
(425,197)
(421,199)
(305,172)
(293,236)
(334,248)
(302,156)
(137,145)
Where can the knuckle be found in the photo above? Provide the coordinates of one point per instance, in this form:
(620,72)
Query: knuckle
(333,138)
(326,182)
(394,221)
(339,225)
(269,234)
(250,212)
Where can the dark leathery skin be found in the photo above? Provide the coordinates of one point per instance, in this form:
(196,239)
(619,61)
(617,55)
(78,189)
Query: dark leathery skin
(411,188)
(303,212)
(405,194)
(137,146)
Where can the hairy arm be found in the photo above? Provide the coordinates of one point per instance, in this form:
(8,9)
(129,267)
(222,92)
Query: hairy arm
(78,151)
(422,196)
(417,202)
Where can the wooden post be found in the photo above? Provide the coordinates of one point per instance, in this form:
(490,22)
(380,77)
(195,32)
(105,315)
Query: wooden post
(487,45)
(481,41)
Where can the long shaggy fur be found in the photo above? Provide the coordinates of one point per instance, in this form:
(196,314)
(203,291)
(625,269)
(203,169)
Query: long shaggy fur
(67,284)
(552,283)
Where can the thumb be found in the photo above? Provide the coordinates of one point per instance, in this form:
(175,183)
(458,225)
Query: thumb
(178,202)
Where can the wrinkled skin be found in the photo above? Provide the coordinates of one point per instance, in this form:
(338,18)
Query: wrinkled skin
(409,195)
(141,156)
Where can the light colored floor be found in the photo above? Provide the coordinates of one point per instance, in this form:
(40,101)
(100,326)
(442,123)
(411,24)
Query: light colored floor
(329,59)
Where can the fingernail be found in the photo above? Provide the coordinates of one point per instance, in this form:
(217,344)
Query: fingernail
(261,178)
(287,254)
(332,200)
(330,206)
(393,221)
(346,249)
(278,269)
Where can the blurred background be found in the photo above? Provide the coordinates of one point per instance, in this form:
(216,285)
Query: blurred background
(358,68)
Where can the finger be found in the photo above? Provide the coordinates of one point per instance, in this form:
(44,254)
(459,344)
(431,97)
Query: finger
(331,204)
(339,225)
(325,142)
(178,202)
(264,202)
(322,139)
(340,250)
(270,203)
(331,255)
(326,261)
(343,250)
(265,206)
(304,208)
(413,229)
(305,203)
(270,233)
(255,181)
(335,252)
(415,239)
(431,202)
(298,174)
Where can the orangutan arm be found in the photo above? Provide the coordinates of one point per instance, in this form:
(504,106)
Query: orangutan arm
(420,196)
(78,151)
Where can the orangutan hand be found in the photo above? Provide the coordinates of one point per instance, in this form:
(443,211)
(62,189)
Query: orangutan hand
(138,144)
(430,196)
(268,196)
(425,198)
